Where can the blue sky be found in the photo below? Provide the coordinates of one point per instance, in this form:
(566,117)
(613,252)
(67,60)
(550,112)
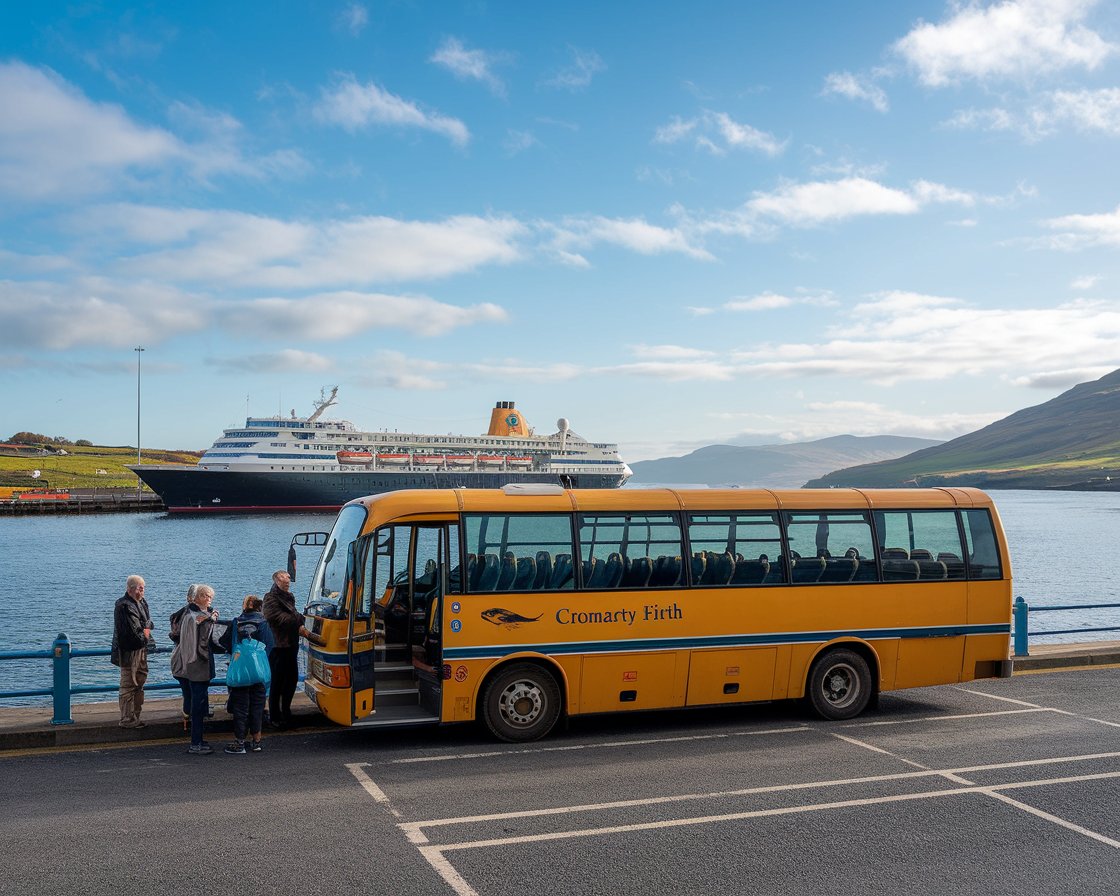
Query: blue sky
(673,224)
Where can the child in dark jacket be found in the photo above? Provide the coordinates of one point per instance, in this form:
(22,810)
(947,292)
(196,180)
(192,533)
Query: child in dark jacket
(247,703)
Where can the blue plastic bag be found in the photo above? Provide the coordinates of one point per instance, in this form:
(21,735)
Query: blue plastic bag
(248,664)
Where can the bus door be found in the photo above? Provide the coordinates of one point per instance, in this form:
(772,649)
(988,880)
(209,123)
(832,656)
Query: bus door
(395,620)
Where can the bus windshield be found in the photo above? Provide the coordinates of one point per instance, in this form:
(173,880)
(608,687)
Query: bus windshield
(330,574)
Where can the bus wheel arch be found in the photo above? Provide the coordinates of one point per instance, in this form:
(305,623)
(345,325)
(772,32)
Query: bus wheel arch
(522,699)
(842,678)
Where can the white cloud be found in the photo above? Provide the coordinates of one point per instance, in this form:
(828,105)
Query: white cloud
(285,359)
(353,106)
(93,311)
(55,143)
(340,315)
(585,65)
(1061,379)
(855,87)
(470,65)
(910,336)
(1086,282)
(1084,231)
(718,132)
(769,301)
(1050,113)
(1012,39)
(231,248)
(353,18)
(669,352)
(807,204)
(517,142)
(635,234)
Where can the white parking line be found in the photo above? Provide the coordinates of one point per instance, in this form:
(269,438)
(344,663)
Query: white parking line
(784,810)
(963,715)
(597,746)
(1063,712)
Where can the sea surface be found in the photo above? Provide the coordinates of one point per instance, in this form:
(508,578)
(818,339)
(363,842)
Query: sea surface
(63,573)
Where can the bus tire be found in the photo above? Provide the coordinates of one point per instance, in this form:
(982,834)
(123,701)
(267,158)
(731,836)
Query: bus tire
(839,684)
(521,703)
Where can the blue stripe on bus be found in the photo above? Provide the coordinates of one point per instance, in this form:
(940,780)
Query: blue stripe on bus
(755,640)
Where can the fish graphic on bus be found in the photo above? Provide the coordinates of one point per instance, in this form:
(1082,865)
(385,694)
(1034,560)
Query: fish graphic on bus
(508,618)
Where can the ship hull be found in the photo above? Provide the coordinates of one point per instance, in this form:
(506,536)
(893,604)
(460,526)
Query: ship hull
(196,490)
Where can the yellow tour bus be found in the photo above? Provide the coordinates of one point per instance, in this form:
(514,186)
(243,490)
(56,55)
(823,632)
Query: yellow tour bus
(527,604)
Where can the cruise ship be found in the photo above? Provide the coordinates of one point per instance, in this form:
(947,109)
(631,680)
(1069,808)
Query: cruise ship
(312,463)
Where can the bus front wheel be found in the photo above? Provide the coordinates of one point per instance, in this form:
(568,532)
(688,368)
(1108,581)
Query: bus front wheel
(840,685)
(521,703)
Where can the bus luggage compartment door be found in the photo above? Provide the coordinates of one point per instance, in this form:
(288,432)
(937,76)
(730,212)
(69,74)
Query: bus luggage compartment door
(731,676)
(632,681)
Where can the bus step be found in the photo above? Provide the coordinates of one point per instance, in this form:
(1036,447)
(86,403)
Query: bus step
(386,716)
(396,697)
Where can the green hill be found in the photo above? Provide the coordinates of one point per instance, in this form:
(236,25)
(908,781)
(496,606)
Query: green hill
(92,466)
(1072,442)
(777,466)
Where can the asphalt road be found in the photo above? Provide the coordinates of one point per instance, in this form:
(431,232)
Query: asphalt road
(994,787)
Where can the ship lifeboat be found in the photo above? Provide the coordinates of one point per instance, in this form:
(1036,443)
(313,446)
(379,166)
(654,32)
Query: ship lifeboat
(354,457)
(460,460)
(393,458)
(519,461)
(429,460)
(491,460)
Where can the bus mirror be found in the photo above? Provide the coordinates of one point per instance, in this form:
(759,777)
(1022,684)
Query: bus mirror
(292,562)
(310,539)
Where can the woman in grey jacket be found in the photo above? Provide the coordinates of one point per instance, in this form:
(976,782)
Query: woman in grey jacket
(191,661)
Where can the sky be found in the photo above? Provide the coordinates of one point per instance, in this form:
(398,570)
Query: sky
(672,224)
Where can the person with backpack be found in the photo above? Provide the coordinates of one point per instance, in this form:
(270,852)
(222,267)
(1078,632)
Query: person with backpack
(247,703)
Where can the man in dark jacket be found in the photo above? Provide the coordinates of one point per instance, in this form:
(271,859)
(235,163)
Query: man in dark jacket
(286,623)
(132,626)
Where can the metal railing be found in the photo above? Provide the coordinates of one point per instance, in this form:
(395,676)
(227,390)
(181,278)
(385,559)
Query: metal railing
(61,690)
(1022,631)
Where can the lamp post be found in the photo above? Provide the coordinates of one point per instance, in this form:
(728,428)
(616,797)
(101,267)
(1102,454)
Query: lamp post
(138,350)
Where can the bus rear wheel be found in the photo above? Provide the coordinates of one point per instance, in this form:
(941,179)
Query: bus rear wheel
(840,685)
(521,703)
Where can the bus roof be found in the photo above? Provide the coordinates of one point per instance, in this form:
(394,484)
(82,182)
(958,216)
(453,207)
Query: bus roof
(553,499)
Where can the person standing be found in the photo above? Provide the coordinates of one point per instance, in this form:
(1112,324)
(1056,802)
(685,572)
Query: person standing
(247,703)
(191,661)
(286,623)
(132,627)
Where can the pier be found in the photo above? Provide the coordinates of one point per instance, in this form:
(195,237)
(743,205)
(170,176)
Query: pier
(84,500)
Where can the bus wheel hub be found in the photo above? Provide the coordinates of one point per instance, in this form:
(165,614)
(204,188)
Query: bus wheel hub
(521,703)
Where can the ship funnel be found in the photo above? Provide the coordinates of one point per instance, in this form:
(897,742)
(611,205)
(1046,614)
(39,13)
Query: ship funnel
(506,420)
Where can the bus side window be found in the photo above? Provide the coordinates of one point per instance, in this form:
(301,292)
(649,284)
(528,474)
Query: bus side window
(831,547)
(736,549)
(637,550)
(517,552)
(980,537)
(926,542)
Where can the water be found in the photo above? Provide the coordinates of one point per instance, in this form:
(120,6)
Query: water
(63,573)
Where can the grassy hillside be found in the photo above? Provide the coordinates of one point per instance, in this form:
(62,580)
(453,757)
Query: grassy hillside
(1072,441)
(80,467)
(778,466)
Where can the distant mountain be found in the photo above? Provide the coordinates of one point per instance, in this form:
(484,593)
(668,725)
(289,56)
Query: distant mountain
(1072,441)
(777,466)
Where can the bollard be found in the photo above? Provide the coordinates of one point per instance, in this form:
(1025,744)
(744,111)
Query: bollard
(61,650)
(1020,613)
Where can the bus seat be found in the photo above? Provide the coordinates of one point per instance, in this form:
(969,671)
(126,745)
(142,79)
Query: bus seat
(749,572)
(839,569)
(589,570)
(487,571)
(928,568)
(544,570)
(807,570)
(954,566)
(612,574)
(526,574)
(699,563)
(468,579)
(723,567)
(507,572)
(898,567)
(666,571)
(561,572)
(638,573)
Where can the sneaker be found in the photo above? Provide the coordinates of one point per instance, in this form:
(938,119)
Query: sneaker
(199,750)
(237,748)
(135,723)
(255,746)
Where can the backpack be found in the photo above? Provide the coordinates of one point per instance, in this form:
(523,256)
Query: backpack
(176,624)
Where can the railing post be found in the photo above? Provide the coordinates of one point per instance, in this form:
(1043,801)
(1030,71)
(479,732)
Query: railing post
(61,649)
(1020,613)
